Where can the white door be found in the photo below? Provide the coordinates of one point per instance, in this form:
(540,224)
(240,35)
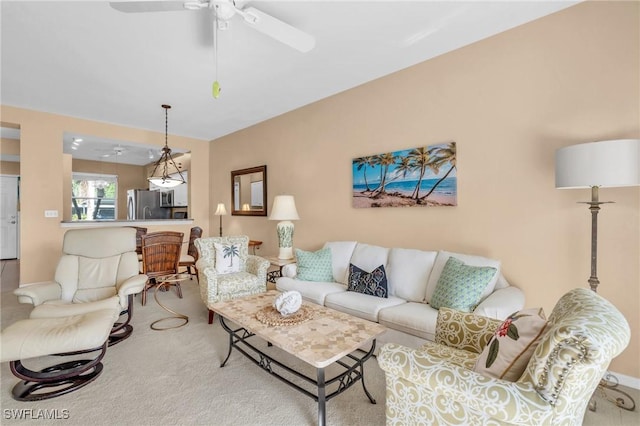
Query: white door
(8,217)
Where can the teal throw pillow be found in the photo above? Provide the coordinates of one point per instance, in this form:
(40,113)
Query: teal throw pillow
(460,286)
(314,266)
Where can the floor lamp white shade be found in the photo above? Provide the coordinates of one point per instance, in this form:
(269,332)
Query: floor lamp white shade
(593,165)
(284,210)
(602,164)
(221,211)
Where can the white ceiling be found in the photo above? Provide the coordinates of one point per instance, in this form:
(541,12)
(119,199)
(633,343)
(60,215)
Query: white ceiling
(86,59)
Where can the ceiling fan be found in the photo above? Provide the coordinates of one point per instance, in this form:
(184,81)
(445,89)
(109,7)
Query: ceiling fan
(224,10)
(115,151)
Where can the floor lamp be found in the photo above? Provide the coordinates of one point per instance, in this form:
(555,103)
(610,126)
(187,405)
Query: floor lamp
(220,211)
(595,165)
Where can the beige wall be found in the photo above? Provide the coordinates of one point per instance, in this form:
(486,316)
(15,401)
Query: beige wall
(9,147)
(9,168)
(509,102)
(42,179)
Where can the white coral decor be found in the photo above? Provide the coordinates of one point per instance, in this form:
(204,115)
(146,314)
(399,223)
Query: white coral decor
(288,302)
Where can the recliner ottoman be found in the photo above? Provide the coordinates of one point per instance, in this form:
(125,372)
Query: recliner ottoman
(58,335)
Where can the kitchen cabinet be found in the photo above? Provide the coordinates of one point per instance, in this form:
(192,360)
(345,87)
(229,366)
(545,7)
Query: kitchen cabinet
(181,192)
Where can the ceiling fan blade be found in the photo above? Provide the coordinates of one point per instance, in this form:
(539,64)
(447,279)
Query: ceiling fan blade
(278,30)
(147,6)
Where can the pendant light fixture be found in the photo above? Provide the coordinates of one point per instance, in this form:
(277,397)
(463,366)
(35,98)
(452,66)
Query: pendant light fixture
(160,175)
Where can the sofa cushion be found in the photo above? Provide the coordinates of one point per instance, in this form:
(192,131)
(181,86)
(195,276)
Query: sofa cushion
(417,319)
(314,266)
(315,292)
(341,252)
(368,257)
(501,303)
(508,352)
(360,305)
(373,283)
(441,260)
(408,272)
(460,286)
(456,356)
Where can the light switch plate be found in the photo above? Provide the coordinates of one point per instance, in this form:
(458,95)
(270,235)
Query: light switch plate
(51,213)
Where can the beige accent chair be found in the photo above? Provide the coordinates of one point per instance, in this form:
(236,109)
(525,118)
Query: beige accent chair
(96,264)
(215,287)
(435,384)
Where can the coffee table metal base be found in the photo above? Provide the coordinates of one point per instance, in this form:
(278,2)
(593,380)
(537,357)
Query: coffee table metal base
(352,369)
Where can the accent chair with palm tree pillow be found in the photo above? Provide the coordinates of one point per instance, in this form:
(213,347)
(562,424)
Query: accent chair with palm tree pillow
(226,270)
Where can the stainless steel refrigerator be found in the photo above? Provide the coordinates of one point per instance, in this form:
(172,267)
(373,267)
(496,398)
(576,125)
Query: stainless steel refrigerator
(143,204)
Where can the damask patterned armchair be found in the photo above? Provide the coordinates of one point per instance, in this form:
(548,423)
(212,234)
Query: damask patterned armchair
(435,384)
(226,270)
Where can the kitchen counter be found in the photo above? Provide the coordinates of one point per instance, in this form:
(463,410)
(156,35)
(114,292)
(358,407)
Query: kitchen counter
(105,223)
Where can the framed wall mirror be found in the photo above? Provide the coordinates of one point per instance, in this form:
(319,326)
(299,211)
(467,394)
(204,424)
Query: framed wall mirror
(249,191)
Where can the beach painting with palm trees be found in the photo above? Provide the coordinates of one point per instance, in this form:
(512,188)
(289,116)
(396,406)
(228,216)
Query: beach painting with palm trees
(418,177)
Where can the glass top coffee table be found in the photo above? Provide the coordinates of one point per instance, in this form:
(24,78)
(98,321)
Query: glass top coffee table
(328,337)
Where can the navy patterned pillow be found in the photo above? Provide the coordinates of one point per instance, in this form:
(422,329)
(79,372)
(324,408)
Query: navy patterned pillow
(373,283)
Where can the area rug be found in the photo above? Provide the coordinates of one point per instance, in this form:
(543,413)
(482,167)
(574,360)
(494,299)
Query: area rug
(174,377)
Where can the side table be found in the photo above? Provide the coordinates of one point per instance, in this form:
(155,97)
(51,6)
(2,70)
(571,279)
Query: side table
(254,244)
(280,263)
(166,280)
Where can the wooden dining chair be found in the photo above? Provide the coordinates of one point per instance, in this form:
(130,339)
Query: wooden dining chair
(139,233)
(189,258)
(160,256)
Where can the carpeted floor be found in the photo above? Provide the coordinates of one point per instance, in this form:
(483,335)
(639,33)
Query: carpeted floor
(174,378)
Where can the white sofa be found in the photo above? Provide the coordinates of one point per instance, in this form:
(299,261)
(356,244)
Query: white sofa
(412,276)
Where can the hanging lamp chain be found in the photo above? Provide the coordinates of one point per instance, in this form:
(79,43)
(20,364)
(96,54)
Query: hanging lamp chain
(166,151)
(166,159)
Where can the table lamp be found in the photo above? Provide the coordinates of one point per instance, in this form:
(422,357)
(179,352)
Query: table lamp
(284,210)
(221,211)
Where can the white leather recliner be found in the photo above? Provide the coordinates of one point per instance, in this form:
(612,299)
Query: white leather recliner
(96,264)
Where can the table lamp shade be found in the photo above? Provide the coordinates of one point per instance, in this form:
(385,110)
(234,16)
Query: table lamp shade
(284,208)
(221,210)
(602,164)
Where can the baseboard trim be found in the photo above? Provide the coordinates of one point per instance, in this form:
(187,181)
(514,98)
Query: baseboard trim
(628,381)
